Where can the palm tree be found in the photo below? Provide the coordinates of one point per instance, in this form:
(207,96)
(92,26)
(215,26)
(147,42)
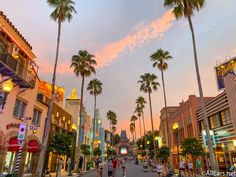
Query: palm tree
(138,111)
(111,116)
(83,65)
(63,10)
(94,88)
(186,8)
(133,119)
(132,128)
(148,84)
(159,59)
(141,104)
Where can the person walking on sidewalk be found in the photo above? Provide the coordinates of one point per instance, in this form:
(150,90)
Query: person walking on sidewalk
(110,168)
(159,169)
(114,162)
(123,167)
(100,168)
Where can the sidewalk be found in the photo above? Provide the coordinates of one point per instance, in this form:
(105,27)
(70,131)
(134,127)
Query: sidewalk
(65,173)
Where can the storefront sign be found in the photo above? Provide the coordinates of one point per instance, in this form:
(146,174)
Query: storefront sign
(205,138)
(17,125)
(224,69)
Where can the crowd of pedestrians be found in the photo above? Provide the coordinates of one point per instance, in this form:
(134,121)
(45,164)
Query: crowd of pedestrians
(112,165)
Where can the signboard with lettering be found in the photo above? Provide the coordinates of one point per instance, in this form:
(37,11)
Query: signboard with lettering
(223,70)
(205,138)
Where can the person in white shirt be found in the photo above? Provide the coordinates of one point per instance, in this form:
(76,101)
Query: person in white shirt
(181,168)
(190,168)
(159,169)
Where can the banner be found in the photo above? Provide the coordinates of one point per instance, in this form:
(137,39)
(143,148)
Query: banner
(223,70)
(205,138)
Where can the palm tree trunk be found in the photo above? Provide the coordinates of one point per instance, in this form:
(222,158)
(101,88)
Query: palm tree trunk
(166,118)
(154,143)
(39,170)
(80,114)
(140,129)
(94,121)
(144,131)
(205,119)
(135,135)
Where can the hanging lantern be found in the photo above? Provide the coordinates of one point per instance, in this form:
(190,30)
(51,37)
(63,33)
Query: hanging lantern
(7,86)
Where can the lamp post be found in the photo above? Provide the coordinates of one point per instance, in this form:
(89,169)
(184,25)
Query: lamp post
(72,163)
(7,87)
(175,127)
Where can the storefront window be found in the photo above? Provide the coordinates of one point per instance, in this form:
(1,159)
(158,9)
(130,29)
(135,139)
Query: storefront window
(9,162)
(225,117)
(28,162)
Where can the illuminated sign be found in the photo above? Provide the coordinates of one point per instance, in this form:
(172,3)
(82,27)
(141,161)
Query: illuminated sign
(46,89)
(205,138)
(123,150)
(224,69)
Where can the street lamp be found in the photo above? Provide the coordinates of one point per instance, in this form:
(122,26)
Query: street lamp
(175,127)
(72,163)
(7,87)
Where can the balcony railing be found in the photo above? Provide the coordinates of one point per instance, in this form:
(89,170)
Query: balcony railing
(23,77)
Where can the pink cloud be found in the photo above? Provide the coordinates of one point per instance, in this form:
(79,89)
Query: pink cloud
(108,53)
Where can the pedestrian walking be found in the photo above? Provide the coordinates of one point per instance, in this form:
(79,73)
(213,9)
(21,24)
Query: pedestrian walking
(110,168)
(169,171)
(199,165)
(100,168)
(60,165)
(181,168)
(159,169)
(190,168)
(123,166)
(114,162)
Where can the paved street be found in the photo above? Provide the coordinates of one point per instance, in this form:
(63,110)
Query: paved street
(132,171)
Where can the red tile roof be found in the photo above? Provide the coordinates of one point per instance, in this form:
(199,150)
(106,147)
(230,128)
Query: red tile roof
(14,28)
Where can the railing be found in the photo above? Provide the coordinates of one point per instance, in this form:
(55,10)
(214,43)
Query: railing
(19,69)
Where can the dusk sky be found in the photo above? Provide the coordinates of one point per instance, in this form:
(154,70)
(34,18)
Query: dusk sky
(123,34)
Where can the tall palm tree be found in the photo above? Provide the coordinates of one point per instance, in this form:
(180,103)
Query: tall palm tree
(111,116)
(140,101)
(186,8)
(133,119)
(95,89)
(148,84)
(138,111)
(132,128)
(159,59)
(63,10)
(83,65)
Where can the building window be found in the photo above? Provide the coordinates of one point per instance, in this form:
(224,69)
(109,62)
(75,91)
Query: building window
(225,117)
(214,121)
(36,117)
(201,125)
(19,109)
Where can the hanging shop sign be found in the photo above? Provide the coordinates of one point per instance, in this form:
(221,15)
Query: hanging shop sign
(205,138)
(17,125)
(223,70)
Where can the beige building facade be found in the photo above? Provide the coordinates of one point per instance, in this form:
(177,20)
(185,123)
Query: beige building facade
(18,67)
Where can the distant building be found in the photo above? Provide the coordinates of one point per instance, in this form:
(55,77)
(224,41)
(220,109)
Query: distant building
(123,147)
(61,121)
(99,137)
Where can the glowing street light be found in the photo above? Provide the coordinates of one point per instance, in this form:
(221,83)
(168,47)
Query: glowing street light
(7,86)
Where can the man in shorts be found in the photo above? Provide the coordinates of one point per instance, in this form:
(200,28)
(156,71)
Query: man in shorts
(114,162)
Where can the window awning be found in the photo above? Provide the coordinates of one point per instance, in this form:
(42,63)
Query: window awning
(33,146)
(13,145)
